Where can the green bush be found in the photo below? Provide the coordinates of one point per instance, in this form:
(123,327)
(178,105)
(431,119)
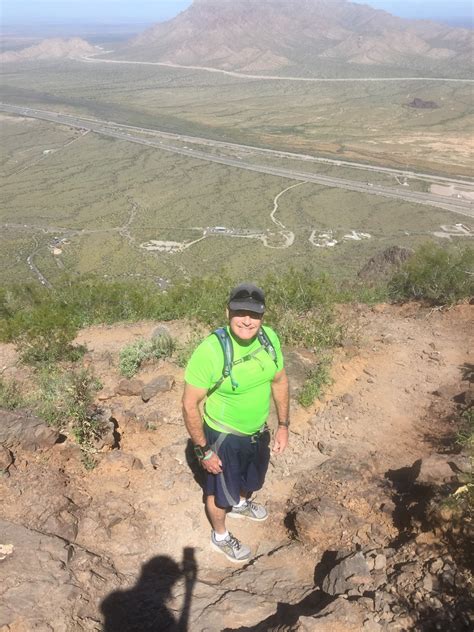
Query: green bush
(64,395)
(65,399)
(317,380)
(132,356)
(436,274)
(316,329)
(43,334)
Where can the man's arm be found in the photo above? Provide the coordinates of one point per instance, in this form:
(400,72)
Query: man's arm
(192,397)
(281,397)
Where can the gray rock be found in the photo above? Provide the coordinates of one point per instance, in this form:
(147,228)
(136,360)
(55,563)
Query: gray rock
(435,469)
(44,587)
(460,463)
(351,573)
(23,429)
(161,384)
(121,461)
(428,582)
(347,398)
(130,388)
(380,562)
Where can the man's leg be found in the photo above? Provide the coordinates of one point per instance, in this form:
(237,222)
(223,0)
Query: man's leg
(216,515)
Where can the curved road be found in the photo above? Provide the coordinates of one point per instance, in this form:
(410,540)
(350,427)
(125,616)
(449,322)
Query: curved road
(114,130)
(242,75)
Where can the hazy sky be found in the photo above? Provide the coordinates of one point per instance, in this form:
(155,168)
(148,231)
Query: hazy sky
(129,11)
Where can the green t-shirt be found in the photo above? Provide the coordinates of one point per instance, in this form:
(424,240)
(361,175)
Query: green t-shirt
(246,408)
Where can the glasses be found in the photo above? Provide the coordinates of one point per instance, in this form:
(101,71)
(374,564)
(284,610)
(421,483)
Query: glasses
(245,294)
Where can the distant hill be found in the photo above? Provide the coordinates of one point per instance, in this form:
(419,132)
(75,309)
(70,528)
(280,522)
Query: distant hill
(278,35)
(54,48)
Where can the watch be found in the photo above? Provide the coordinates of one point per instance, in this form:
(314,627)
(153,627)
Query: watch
(285,424)
(201,450)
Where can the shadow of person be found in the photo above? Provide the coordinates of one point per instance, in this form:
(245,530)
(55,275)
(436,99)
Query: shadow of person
(143,608)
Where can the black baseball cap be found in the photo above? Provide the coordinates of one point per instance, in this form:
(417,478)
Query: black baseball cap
(247,296)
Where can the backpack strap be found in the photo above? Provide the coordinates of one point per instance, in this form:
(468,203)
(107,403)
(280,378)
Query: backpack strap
(228,351)
(267,345)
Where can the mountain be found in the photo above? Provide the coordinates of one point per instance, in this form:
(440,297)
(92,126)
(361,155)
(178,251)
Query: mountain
(54,48)
(272,35)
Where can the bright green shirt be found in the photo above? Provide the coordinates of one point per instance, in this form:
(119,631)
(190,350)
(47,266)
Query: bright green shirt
(247,407)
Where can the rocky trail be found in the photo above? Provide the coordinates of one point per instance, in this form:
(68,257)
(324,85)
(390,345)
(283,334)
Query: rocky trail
(353,541)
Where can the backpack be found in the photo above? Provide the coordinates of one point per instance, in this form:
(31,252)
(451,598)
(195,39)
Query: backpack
(228,351)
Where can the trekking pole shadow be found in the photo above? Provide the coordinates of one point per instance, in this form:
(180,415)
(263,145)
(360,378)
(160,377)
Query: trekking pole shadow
(143,608)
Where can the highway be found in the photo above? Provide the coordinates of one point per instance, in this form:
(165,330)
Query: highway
(125,133)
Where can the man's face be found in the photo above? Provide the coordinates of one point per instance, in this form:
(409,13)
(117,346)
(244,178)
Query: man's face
(244,324)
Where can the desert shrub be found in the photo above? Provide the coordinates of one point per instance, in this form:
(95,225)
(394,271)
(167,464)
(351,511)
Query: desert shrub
(44,335)
(132,356)
(316,381)
(437,274)
(184,349)
(92,301)
(64,394)
(203,300)
(10,395)
(315,330)
(465,436)
(299,290)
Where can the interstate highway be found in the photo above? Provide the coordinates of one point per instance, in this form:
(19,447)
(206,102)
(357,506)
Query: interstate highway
(126,133)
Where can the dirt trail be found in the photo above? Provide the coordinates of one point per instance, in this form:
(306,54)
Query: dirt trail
(377,416)
(405,355)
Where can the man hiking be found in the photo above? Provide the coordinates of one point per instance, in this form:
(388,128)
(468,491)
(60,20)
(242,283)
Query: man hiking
(235,371)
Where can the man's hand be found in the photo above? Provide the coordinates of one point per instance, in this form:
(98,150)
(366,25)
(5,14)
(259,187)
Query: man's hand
(281,439)
(213,464)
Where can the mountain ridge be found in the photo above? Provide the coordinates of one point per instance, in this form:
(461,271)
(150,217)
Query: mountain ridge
(51,48)
(275,35)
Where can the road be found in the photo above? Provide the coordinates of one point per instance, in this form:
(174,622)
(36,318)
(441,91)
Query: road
(242,75)
(114,130)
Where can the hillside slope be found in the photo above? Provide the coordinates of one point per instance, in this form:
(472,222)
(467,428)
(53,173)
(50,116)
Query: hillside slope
(274,35)
(128,541)
(53,48)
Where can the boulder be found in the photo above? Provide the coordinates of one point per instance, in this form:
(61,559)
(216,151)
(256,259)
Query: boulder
(161,384)
(46,584)
(22,428)
(351,573)
(297,363)
(325,523)
(129,388)
(435,469)
(126,421)
(340,615)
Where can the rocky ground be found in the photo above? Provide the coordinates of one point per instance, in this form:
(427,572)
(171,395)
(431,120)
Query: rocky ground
(357,537)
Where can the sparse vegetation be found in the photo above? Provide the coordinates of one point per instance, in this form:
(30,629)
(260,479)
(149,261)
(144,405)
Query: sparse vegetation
(134,355)
(436,274)
(185,349)
(65,400)
(317,380)
(11,397)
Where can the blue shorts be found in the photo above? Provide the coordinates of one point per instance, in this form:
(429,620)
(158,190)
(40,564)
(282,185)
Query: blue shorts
(244,465)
